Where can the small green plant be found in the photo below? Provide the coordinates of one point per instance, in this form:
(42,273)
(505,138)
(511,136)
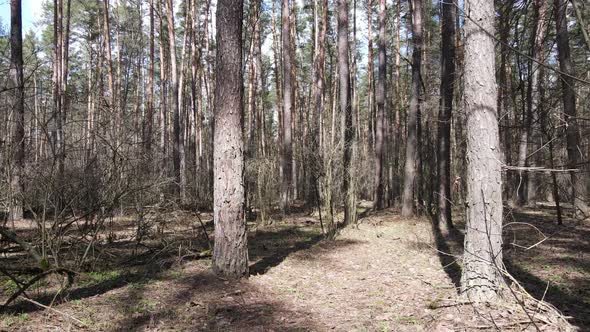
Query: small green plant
(384,327)
(8,321)
(93,278)
(10,286)
(87,321)
(409,320)
(145,305)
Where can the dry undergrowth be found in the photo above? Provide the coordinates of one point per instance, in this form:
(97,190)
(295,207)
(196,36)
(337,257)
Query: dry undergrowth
(385,275)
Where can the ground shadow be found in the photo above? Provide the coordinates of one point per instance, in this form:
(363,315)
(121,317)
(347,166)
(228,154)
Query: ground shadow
(270,248)
(204,302)
(447,255)
(556,269)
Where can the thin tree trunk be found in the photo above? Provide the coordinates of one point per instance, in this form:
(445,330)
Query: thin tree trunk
(287,152)
(163,96)
(408,209)
(348,184)
(177,145)
(149,122)
(181,109)
(381,97)
(112,98)
(447,87)
(18,139)
(579,180)
(370,73)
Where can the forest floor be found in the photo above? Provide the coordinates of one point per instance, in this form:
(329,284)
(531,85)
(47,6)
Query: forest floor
(387,274)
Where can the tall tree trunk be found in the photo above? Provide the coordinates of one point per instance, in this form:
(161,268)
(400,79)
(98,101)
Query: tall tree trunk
(182,118)
(579,180)
(319,100)
(481,278)
(504,93)
(149,121)
(230,254)
(253,77)
(447,87)
(176,146)
(370,73)
(18,139)
(287,152)
(112,97)
(533,97)
(408,208)
(163,114)
(381,97)
(348,184)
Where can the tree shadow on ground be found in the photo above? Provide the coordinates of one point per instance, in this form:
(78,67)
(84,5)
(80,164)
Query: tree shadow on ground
(446,246)
(203,302)
(270,248)
(543,270)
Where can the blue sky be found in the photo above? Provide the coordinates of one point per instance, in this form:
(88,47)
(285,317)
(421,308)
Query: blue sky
(31,13)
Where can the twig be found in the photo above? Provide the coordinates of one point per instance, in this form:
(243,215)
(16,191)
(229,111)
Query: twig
(204,230)
(36,278)
(56,311)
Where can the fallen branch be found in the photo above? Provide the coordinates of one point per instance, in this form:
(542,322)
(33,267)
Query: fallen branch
(56,311)
(70,274)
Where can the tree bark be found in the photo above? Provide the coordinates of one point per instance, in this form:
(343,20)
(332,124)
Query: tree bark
(151,72)
(18,139)
(287,152)
(378,202)
(177,144)
(447,87)
(481,278)
(408,209)
(370,93)
(348,185)
(230,253)
(574,151)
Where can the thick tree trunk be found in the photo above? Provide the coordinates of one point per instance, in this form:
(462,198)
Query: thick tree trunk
(408,209)
(378,202)
(18,138)
(579,180)
(287,152)
(482,279)
(348,184)
(447,87)
(230,254)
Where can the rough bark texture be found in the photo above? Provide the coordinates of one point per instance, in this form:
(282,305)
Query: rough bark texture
(574,151)
(481,279)
(381,96)
(287,155)
(18,139)
(412,122)
(447,87)
(230,254)
(348,187)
